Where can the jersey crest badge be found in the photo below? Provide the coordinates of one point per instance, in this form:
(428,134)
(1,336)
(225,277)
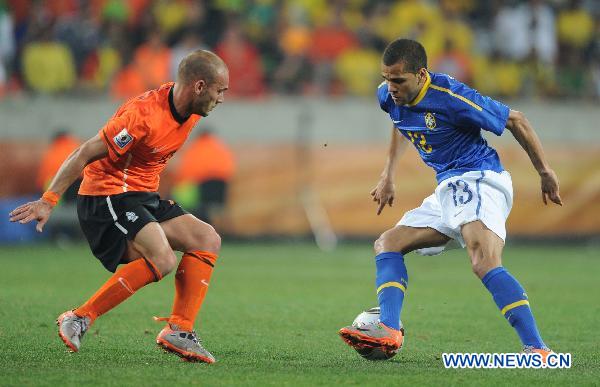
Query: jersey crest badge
(123,138)
(430,121)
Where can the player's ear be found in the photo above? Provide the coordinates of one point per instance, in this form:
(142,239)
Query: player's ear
(199,86)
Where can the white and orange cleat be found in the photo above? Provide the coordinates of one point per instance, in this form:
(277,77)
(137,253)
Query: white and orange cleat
(376,335)
(71,329)
(184,344)
(542,351)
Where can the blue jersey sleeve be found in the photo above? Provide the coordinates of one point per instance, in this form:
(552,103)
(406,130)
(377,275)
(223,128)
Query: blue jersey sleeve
(472,109)
(382,94)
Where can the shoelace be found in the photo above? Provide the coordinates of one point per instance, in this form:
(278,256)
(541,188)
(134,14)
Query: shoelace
(80,325)
(369,325)
(193,333)
(196,338)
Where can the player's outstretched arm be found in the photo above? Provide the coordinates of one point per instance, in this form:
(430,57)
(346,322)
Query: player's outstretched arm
(528,139)
(92,150)
(384,191)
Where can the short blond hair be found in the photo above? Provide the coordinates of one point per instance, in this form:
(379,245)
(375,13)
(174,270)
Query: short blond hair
(200,64)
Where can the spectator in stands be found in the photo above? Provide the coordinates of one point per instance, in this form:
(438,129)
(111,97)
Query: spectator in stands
(416,20)
(328,43)
(525,30)
(202,178)
(454,62)
(80,32)
(572,78)
(7,45)
(170,15)
(100,67)
(152,60)
(294,71)
(127,83)
(292,46)
(61,146)
(64,225)
(457,34)
(575,26)
(243,60)
(366,32)
(358,69)
(190,41)
(593,57)
(149,68)
(526,34)
(263,28)
(48,66)
(497,75)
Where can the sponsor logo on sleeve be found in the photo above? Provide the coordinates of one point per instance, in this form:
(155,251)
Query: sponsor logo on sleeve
(123,138)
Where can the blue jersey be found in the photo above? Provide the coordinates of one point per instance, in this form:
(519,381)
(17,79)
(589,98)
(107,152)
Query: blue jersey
(444,123)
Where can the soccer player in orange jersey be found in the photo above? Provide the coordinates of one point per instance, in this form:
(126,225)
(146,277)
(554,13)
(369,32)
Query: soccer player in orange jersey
(129,228)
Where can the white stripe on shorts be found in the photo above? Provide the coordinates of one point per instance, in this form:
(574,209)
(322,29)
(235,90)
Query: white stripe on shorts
(114,215)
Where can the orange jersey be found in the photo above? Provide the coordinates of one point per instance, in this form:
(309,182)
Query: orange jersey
(141,137)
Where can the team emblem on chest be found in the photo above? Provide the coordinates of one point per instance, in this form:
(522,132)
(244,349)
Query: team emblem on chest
(429,121)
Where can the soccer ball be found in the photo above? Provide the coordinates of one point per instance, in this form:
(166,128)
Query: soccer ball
(371,316)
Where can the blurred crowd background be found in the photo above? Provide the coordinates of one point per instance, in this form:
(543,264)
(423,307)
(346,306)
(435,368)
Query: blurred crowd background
(301,140)
(505,48)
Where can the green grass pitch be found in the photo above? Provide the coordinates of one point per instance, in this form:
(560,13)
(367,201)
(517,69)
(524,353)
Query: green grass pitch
(272,315)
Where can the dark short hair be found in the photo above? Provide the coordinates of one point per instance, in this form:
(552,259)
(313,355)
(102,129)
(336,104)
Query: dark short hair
(200,64)
(410,52)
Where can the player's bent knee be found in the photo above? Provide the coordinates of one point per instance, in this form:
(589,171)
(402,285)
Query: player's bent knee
(481,264)
(478,269)
(203,238)
(214,241)
(165,262)
(386,243)
(379,245)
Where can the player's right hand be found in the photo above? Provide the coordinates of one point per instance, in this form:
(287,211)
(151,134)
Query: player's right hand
(550,188)
(38,210)
(383,194)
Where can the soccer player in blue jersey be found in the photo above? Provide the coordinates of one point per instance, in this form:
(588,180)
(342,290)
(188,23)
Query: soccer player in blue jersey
(443,118)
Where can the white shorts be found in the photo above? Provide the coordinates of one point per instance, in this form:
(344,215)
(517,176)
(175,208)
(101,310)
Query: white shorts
(475,195)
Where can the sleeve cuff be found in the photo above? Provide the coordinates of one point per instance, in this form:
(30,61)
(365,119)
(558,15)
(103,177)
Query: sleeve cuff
(113,154)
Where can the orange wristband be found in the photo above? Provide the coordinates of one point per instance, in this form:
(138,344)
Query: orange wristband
(51,197)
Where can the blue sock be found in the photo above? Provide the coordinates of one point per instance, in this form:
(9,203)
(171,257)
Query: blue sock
(512,302)
(391,281)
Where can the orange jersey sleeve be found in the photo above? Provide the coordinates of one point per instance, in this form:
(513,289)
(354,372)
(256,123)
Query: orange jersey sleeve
(122,132)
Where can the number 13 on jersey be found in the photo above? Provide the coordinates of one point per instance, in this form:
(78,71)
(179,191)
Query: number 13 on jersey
(420,141)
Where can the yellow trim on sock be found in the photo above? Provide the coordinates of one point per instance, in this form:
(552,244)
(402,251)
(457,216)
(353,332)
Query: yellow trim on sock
(392,283)
(513,305)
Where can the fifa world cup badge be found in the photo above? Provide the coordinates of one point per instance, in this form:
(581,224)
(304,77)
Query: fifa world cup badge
(123,138)
(430,121)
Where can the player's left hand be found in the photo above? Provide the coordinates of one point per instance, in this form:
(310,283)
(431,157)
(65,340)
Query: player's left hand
(550,189)
(38,210)
(383,194)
